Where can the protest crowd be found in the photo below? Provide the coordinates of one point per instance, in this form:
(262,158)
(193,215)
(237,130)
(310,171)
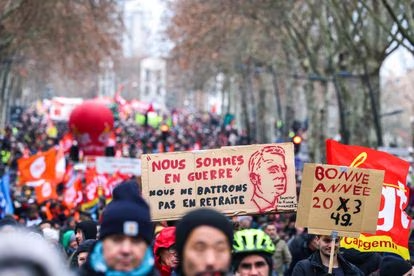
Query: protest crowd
(83,228)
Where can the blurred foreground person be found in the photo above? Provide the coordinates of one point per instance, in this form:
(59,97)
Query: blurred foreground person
(126,233)
(252,253)
(8,224)
(165,252)
(204,239)
(29,254)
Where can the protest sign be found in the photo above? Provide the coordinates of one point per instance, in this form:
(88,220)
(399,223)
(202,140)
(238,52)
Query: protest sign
(341,199)
(234,180)
(393,225)
(112,165)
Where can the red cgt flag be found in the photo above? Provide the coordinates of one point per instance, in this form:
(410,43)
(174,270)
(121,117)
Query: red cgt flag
(393,224)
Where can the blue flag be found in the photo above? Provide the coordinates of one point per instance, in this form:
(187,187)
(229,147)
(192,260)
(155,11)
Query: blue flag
(6,204)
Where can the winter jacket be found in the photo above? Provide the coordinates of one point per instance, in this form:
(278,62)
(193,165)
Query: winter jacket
(313,267)
(299,249)
(281,256)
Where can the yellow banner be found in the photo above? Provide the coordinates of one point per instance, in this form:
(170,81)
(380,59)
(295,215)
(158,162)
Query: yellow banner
(375,244)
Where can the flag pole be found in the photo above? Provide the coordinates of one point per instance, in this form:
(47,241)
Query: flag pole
(334,236)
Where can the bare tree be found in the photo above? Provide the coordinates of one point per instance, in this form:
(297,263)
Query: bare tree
(42,36)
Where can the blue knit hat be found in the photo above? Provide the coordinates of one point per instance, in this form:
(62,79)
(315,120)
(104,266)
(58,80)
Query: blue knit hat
(128,214)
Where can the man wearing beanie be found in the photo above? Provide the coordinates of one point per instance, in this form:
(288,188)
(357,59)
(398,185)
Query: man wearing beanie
(204,238)
(125,236)
(394,265)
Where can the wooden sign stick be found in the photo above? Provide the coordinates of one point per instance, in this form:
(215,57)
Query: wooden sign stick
(331,256)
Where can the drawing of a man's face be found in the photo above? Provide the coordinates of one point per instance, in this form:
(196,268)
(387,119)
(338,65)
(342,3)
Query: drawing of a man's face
(268,173)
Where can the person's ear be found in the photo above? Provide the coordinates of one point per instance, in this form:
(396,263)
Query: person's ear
(254,178)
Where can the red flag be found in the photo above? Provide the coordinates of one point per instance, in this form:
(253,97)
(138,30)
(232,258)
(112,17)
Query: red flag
(66,142)
(393,224)
(73,192)
(60,166)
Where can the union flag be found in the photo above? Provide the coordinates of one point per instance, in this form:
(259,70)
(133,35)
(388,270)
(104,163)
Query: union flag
(393,224)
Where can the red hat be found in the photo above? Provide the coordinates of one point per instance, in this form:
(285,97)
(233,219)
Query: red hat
(165,239)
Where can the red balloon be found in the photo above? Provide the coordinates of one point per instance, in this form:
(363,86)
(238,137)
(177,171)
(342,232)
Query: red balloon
(91,124)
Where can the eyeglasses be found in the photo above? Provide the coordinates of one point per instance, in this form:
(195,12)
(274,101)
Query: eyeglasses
(249,266)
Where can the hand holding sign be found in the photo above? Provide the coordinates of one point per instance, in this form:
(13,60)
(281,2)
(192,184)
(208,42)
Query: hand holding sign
(342,199)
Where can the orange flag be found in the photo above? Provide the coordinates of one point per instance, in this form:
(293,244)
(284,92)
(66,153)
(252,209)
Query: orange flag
(60,166)
(45,191)
(40,166)
(393,225)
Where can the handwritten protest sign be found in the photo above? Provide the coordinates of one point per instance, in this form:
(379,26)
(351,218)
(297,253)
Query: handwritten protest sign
(341,199)
(234,180)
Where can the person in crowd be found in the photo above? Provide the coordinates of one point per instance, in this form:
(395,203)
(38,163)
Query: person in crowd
(301,247)
(392,265)
(282,256)
(45,224)
(367,262)
(165,252)
(86,230)
(204,240)
(81,254)
(318,262)
(24,253)
(252,253)
(126,233)
(33,217)
(245,222)
(69,242)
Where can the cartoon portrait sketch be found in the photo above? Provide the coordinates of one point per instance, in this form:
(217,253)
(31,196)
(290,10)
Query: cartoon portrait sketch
(267,173)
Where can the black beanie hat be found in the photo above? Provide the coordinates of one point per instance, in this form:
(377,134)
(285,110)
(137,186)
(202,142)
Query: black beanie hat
(391,266)
(127,214)
(200,217)
(88,228)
